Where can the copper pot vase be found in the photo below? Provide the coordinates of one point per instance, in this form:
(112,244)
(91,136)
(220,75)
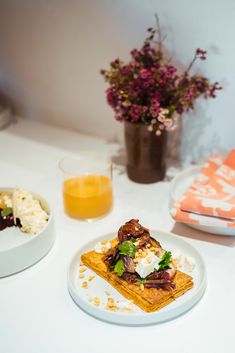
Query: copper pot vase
(145,153)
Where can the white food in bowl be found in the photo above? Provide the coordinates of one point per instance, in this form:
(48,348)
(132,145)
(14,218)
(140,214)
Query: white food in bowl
(29,211)
(20,250)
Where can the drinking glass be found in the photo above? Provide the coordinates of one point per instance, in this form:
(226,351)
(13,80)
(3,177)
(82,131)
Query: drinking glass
(87,185)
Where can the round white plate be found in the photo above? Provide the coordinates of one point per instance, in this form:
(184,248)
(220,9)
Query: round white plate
(19,250)
(179,185)
(98,286)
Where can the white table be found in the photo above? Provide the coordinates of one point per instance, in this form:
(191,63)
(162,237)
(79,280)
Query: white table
(37,314)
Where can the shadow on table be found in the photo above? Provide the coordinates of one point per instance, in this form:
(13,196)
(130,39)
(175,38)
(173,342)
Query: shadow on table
(119,160)
(188,232)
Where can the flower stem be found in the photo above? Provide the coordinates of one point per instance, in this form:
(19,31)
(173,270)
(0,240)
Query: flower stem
(159,32)
(191,63)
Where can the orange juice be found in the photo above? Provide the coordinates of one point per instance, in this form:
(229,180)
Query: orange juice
(87,197)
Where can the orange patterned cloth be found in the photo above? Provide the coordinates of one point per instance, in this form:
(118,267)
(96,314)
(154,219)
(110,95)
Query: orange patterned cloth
(210,200)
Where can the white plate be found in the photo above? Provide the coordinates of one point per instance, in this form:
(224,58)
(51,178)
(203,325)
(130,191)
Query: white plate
(179,185)
(98,286)
(19,250)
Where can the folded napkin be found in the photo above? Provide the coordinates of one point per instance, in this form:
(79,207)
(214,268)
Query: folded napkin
(210,200)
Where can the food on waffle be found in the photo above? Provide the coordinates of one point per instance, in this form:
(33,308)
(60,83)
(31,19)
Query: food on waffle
(139,268)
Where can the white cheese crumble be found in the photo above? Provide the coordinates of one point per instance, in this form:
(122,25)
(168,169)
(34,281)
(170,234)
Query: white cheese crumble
(178,258)
(29,211)
(7,201)
(102,247)
(185,262)
(189,263)
(146,265)
(126,306)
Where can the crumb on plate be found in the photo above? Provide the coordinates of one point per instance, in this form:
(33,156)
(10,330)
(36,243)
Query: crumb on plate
(111,304)
(95,301)
(82,269)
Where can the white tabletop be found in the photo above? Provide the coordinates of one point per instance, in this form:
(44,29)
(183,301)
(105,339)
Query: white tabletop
(37,314)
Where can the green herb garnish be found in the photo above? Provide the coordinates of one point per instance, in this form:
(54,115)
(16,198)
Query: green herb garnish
(6,211)
(127,248)
(133,240)
(119,267)
(165,260)
(141,280)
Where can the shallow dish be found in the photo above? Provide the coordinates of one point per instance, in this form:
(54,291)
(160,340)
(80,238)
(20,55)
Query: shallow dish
(98,287)
(179,185)
(19,250)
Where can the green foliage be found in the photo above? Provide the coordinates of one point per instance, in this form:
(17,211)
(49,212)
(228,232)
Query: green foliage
(119,267)
(165,260)
(6,211)
(127,248)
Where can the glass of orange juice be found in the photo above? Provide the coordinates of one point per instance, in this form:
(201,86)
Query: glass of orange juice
(87,185)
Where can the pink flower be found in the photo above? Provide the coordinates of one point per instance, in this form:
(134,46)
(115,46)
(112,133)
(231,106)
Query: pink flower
(144,73)
(168,123)
(201,53)
(149,90)
(118,117)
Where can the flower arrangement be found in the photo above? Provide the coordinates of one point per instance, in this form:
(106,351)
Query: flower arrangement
(150,90)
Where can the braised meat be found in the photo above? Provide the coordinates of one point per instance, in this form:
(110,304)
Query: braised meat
(131,229)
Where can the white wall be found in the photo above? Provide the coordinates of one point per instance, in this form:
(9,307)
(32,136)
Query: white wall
(51,53)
